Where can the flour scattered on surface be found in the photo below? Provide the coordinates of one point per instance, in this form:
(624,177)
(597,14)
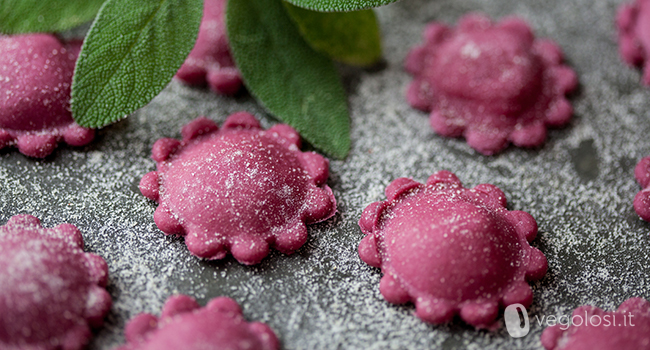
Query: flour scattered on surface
(323,296)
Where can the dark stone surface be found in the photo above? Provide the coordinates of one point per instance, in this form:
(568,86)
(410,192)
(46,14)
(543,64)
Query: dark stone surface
(579,187)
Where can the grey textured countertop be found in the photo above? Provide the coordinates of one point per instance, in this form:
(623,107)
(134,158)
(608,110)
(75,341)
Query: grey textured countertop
(579,187)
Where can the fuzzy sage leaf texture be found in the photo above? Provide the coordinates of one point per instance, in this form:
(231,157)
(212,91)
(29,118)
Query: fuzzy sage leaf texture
(348,37)
(29,16)
(131,53)
(339,5)
(292,81)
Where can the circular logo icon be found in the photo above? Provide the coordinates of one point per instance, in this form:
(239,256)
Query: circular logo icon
(514,320)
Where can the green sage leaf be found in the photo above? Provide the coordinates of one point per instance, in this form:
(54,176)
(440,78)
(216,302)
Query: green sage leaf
(339,5)
(131,53)
(28,16)
(348,37)
(293,82)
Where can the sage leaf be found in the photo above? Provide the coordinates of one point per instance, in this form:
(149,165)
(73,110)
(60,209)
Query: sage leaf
(292,81)
(348,37)
(339,5)
(28,16)
(131,53)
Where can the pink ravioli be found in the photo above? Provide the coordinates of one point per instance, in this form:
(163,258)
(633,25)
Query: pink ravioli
(591,328)
(451,250)
(633,22)
(35,79)
(50,290)
(642,199)
(183,324)
(490,83)
(238,189)
(210,60)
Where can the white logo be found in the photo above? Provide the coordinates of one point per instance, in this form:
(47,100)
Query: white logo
(513,320)
(518,324)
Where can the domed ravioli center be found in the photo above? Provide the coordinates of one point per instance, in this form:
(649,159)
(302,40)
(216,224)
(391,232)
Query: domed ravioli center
(462,248)
(35,80)
(237,181)
(490,65)
(67,286)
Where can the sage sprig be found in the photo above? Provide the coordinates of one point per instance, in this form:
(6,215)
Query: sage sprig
(131,53)
(28,16)
(294,82)
(283,49)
